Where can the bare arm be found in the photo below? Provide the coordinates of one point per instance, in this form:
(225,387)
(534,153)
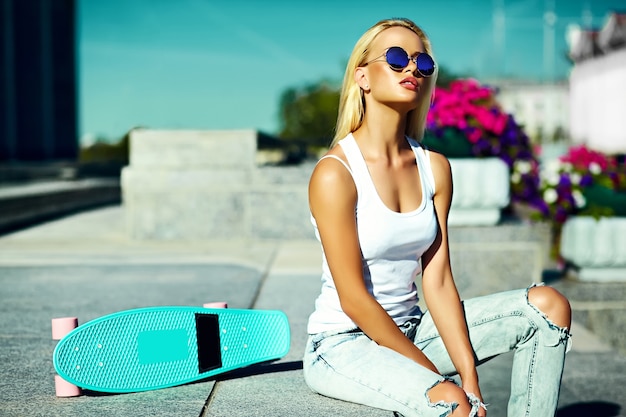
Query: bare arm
(332,199)
(440,292)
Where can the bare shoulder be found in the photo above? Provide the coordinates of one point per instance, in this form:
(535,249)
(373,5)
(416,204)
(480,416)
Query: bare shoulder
(439,161)
(331,183)
(331,170)
(441,168)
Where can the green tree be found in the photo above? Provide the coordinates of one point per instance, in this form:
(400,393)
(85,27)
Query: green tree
(102,151)
(308,114)
(445,76)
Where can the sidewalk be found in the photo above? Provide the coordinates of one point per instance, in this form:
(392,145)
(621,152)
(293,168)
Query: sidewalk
(85,266)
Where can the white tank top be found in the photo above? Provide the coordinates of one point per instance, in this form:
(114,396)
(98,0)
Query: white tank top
(391,244)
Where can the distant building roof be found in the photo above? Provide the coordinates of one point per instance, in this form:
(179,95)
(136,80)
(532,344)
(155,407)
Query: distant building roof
(586,45)
(589,43)
(613,34)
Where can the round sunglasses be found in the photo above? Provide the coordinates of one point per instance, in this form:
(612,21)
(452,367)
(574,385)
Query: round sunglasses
(398,59)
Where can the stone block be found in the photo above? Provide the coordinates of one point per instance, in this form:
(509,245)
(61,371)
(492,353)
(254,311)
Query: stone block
(297,175)
(510,235)
(186,215)
(139,180)
(185,204)
(187,185)
(601,307)
(280,212)
(188,149)
(488,259)
(488,268)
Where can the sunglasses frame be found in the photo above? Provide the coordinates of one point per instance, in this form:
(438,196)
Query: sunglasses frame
(408,59)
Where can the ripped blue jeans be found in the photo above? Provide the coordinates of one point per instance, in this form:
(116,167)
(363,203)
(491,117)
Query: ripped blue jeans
(349,366)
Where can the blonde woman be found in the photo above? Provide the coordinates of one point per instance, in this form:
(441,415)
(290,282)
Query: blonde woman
(379,203)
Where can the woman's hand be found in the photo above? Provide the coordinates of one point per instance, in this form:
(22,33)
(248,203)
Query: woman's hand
(472,390)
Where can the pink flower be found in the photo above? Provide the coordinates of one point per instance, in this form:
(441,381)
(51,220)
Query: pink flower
(474,135)
(485,118)
(582,157)
(500,124)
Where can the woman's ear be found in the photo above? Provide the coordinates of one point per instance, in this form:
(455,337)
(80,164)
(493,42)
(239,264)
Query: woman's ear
(361,79)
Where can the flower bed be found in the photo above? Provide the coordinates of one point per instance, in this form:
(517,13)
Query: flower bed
(466,121)
(582,182)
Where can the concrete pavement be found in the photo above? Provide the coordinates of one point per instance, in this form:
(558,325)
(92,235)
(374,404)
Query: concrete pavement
(85,265)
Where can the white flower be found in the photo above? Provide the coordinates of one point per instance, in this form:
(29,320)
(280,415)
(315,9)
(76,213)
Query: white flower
(516,178)
(523,167)
(575,178)
(550,196)
(567,167)
(579,199)
(553,165)
(550,172)
(595,168)
(553,178)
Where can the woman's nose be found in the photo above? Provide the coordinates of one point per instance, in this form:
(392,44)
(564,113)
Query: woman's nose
(412,67)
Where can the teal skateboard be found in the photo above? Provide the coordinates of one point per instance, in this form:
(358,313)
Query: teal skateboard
(159,347)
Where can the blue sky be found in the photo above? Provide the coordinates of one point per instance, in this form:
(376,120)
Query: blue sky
(223,64)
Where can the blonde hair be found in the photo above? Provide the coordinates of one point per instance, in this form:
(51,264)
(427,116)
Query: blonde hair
(352,102)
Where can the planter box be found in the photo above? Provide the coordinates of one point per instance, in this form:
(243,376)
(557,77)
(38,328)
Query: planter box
(481,191)
(596,247)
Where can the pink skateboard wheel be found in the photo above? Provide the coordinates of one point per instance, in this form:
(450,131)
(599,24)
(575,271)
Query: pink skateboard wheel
(217,304)
(64,388)
(62,326)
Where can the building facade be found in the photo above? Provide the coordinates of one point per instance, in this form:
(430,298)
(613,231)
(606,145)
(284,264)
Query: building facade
(38,94)
(598,86)
(542,108)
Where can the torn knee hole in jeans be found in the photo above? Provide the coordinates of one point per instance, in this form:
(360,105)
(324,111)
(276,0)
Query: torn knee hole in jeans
(561,334)
(446,407)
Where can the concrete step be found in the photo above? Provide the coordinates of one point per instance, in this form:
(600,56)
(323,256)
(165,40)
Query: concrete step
(30,203)
(600,307)
(488,259)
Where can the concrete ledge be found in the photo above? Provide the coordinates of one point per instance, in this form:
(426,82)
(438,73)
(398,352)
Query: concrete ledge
(28,204)
(599,307)
(487,259)
(189,149)
(189,185)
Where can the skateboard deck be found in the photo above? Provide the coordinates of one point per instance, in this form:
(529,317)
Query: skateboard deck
(159,347)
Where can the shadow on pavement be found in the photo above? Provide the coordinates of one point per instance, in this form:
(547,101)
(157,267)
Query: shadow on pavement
(252,370)
(593,408)
(261,369)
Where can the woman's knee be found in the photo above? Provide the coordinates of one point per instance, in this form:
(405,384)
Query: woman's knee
(552,303)
(451,394)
